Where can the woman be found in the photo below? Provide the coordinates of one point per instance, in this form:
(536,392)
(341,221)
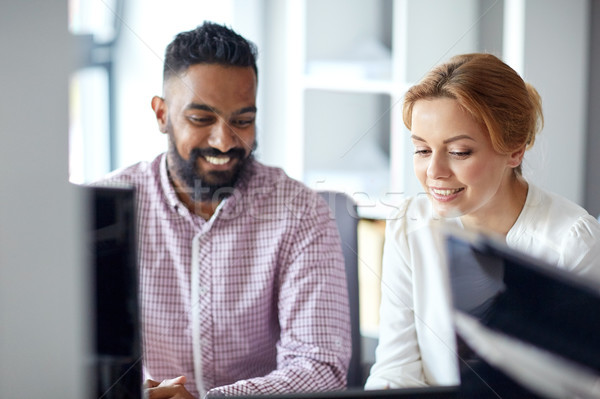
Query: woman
(471,120)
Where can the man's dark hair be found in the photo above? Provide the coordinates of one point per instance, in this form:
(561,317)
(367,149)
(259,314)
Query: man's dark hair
(209,43)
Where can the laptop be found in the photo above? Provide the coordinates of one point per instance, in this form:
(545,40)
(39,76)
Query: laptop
(525,328)
(356,393)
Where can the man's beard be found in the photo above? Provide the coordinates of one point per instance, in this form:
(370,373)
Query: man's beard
(211,186)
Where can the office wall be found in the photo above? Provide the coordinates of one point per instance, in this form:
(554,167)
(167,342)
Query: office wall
(556,61)
(553,55)
(42,301)
(592,169)
(555,44)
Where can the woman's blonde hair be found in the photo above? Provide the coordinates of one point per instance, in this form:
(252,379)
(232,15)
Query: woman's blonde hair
(491,91)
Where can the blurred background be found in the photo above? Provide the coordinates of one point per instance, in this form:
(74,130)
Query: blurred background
(332,76)
(77,80)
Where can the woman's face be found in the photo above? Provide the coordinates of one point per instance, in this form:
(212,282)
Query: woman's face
(455,162)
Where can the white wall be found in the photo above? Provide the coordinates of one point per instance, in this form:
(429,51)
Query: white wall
(553,52)
(42,301)
(592,181)
(555,57)
(553,44)
(138,70)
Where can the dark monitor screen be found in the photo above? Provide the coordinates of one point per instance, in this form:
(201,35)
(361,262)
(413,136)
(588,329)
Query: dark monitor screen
(527,299)
(542,317)
(117,360)
(118,372)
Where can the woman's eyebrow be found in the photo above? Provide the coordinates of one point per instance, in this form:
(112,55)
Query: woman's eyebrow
(449,140)
(459,137)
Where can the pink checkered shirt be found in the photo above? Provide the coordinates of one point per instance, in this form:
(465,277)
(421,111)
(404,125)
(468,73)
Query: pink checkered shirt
(252,301)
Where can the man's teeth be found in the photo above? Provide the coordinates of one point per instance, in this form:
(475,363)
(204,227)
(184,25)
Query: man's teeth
(217,160)
(445,192)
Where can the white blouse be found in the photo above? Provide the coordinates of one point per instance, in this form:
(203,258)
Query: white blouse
(416,338)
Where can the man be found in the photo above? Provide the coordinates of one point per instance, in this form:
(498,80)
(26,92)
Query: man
(242,282)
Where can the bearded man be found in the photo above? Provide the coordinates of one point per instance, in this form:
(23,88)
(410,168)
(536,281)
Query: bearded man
(242,281)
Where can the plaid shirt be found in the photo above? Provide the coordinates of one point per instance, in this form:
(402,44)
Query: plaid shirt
(252,301)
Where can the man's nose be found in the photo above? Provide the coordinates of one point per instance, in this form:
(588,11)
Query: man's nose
(223,137)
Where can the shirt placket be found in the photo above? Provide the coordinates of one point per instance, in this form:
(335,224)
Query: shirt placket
(202,339)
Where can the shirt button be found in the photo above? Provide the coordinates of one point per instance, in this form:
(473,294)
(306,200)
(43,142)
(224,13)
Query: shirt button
(203,290)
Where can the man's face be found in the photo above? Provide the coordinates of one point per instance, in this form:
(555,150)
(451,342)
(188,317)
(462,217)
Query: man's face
(209,114)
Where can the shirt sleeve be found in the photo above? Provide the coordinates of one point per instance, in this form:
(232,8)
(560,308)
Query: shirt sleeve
(581,248)
(397,358)
(315,345)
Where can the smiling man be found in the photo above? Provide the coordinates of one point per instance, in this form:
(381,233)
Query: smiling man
(209,113)
(242,281)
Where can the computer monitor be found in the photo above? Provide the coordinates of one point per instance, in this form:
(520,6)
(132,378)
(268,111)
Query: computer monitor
(117,347)
(527,322)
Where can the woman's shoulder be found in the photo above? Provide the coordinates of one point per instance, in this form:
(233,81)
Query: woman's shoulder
(556,229)
(557,213)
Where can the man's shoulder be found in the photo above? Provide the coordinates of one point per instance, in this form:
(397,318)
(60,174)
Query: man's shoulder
(271,178)
(263,173)
(136,174)
(273,190)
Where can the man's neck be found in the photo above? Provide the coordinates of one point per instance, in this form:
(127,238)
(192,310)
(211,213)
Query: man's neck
(204,209)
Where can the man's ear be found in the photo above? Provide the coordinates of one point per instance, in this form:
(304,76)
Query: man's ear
(160,110)
(516,157)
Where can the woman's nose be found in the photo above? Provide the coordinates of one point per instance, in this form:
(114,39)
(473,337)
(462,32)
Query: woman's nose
(438,167)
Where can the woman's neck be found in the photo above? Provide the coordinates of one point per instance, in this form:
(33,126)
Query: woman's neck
(500,218)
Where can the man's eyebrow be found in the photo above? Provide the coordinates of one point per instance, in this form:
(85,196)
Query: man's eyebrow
(208,108)
(202,107)
(449,140)
(244,110)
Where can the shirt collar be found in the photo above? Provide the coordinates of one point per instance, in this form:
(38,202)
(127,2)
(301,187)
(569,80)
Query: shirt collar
(241,186)
(167,187)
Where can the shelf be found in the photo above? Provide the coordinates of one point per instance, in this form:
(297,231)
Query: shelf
(352,85)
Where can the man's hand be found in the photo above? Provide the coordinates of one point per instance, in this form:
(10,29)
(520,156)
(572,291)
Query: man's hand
(167,389)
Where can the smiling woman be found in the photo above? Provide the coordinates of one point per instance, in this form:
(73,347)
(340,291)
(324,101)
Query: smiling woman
(459,168)
(471,120)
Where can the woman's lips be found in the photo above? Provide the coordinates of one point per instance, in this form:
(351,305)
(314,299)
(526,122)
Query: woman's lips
(444,194)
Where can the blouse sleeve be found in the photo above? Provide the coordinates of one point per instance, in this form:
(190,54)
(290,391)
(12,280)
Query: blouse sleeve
(580,250)
(397,357)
